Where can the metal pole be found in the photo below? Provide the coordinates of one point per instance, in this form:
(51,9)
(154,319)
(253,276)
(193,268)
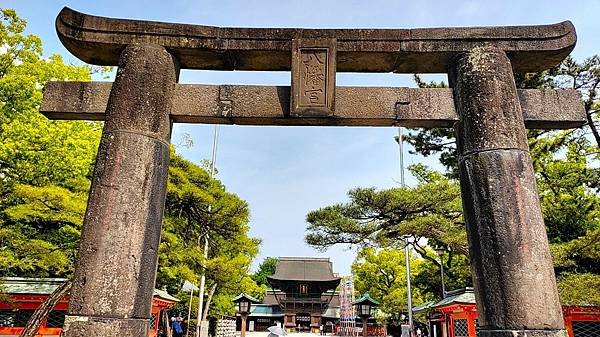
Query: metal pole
(187,332)
(408,289)
(406,248)
(401,148)
(203,277)
(442,271)
(201,291)
(214,151)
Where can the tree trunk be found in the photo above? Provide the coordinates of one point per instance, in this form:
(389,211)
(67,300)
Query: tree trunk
(167,323)
(593,128)
(210,295)
(43,311)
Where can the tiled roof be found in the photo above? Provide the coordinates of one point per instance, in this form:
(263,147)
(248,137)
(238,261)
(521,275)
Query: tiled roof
(462,296)
(304,269)
(45,286)
(164,295)
(266,310)
(423,307)
(459,296)
(27,285)
(270,297)
(246,296)
(366,298)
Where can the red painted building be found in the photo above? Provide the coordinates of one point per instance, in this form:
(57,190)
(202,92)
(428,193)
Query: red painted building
(20,297)
(456,316)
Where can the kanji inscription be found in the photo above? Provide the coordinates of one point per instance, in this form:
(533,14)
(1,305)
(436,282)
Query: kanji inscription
(313,77)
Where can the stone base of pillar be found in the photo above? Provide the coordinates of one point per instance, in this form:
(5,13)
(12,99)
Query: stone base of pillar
(522,333)
(87,326)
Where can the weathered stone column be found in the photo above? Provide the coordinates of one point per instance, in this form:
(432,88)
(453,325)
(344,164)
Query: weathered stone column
(116,265)
(512,269)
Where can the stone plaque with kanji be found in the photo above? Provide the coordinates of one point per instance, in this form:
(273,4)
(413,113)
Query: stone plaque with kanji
(313,77)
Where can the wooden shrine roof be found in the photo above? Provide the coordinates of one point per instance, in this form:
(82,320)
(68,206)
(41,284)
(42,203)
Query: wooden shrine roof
(304,269)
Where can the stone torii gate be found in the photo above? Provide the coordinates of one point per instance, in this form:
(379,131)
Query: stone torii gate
(116,267)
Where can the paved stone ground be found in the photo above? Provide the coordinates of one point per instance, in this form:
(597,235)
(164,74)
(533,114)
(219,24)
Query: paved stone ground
(293,334)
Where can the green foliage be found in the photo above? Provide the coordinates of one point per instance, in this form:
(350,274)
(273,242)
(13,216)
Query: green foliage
(581,255)
(40,232)
(567,172)
(579,289)
(44,165)
(457,274)
(583,76)
(568,183)
(427,142)
(202,202)
(428,212)
(431,209)
(568,175)
(34,150)
(45,170)
(382,274)
(198,205)
(265,268)
(51,204)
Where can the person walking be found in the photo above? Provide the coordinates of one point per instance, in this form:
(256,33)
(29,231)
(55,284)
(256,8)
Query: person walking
(184,326)
(177,329)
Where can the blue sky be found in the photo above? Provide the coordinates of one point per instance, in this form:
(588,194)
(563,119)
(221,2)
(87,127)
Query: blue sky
(285,172)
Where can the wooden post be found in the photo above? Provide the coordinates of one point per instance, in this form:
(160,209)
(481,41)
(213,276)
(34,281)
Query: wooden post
(118,252)
(471,324)
(509,252)
(243,328)
(569,323)
(365,333)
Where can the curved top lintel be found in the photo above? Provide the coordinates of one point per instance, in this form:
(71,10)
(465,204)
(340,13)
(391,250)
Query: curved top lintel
(100,40)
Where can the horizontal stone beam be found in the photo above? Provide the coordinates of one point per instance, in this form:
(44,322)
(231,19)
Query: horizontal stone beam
(270,105)
(100,40)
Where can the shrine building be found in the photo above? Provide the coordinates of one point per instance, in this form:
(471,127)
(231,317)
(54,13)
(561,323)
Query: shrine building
(302,297)
(21,296)
(456,316)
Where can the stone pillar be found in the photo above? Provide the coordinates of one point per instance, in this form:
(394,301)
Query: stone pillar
(118,252)
(511,264)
